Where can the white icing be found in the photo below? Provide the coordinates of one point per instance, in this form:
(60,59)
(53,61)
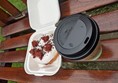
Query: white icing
(48,56)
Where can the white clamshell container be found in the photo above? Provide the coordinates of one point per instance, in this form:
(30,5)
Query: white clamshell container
(43,15)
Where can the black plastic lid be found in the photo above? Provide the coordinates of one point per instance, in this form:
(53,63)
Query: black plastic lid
(76,36)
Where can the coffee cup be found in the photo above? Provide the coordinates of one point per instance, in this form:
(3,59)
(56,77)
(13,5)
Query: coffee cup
(77,38)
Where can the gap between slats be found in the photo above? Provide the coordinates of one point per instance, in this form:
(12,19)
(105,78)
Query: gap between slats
(75,6)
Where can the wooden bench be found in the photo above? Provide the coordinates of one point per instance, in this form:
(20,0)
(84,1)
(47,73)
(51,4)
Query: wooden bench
(18,32)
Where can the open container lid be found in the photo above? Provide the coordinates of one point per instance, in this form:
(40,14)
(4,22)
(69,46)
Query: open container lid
(43,15)
(46,13)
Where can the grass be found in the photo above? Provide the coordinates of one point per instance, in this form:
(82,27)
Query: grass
(22,48)
(17,64)
(1,37)
(18,4)
(11,82)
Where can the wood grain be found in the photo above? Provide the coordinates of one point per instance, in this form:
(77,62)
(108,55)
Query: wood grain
(13,56)
(76,6)
(109,53)
(15,42)
(18,26)
(4,17)
(63,76)
(1,24)
(9,7)
(104,25)
(110,50)
(107,23)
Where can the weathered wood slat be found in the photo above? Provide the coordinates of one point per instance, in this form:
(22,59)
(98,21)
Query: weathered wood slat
(75,6)
(15,42)
(109,26)
(63,76)
(9,7)
(110,50)
(107,23)
(109,53)
(4,17)
(1,24)
(63,7)
(16,27)
(14,56)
